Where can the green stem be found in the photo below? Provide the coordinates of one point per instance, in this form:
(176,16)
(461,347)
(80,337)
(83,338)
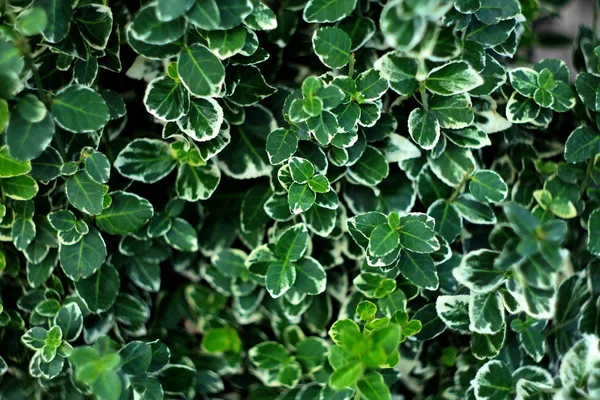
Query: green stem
(351,66)
(60,144)
(424,97)
(586,179)
(458,189)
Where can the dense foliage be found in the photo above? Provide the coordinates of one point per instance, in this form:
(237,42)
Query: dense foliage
(371,198)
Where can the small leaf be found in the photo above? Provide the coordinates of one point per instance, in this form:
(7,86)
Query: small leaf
(200,71)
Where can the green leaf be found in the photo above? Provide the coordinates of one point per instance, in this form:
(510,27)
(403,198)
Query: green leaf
(311,278)
(82,259)
(58,13)
(292,244)
(127,213)
(492,11)
(493,381)
(21,187)
(80,109)
(10,167)
(145,160)
(453,78)
(424,128)
(219,340)
(97,166)
(453,165)
(370,85)
(476,271)
(346,376)
(300,198)
(400,71)
(148,28)
(32,21)
(205,14)
(319,184)
(268,355)
(281,145)
(417,236)
(474,211)
(197,182)
(136,357)
(182,236)
(200,70)
(327,11)
(332,46)
(166,99)
(524,81)
(452,112)
(454,311)
(280,277)
(486,313)
(70,321)
(301,169)
(100,290)
(448,222)
(22,232)
(371,168)
(227,43)
(203,121)
(252,87)
(25,139)
(383,240)
(419,269)
(167,10)
(488,187)
(84,193)
(583,143)
(587,88)
(373,387)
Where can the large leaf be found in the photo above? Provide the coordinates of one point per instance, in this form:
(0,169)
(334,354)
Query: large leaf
(84,193)
(453,78)
(82,259)
(332,46)
(327,11)
(200,70)
(127,213)
(145,160)
(80,109)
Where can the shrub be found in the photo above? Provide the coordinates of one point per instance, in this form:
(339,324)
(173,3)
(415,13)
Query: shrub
(371,198)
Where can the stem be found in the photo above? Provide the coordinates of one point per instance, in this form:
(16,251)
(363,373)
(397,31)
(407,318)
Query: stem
(106,140)
(424,97)
(460,186)
(586,179)
(351,65)
(60,144)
